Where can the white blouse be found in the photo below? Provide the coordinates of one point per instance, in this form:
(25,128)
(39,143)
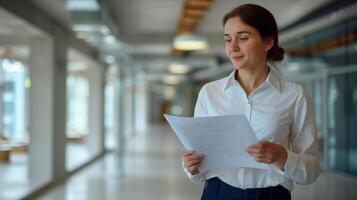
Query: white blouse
(278,111)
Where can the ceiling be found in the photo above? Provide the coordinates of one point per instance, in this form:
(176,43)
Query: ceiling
(148,26)
(14,30)
(16,35)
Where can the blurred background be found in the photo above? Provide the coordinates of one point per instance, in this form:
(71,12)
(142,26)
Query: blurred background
(84,85)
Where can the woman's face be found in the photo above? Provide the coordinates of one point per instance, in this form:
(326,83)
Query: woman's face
(244,45)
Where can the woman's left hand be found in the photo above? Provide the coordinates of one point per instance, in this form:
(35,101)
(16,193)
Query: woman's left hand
(268,152)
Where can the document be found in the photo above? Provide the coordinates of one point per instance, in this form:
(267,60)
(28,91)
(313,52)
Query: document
(221,139)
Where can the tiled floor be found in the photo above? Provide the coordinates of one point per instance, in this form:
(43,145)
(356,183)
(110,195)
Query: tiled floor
(150,169)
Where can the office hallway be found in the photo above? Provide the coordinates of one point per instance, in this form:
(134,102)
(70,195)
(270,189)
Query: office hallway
(150,169)
(77,75)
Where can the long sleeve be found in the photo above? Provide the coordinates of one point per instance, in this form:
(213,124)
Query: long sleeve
(200,111)
(200,107)
(302,165)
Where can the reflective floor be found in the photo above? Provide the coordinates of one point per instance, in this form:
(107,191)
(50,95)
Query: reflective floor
(149,168)
(14,177)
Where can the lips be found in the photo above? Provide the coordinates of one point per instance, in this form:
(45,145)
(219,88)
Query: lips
(237,58)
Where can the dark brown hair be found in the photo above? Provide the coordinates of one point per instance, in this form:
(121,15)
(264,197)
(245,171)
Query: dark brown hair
(263,21)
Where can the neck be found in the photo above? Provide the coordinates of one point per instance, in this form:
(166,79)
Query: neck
(251,79)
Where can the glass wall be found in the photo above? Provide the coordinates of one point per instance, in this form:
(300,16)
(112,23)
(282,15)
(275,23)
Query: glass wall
(14,79)
(77,118)
(110,108)
(14,133)
(77,99)
(352,122)
(325,62)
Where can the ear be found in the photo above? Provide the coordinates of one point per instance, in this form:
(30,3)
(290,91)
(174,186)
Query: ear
(269,43)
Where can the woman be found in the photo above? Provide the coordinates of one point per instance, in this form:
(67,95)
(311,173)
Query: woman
(279,112)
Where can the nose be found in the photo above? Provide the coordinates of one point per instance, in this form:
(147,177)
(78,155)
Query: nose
(234,46)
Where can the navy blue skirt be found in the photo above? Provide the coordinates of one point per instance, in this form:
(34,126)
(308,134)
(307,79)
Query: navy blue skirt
(215,189)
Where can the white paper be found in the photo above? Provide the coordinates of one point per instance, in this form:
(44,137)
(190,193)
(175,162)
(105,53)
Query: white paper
(221,139)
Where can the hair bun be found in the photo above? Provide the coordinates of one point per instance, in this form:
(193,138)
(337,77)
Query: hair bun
(276,53)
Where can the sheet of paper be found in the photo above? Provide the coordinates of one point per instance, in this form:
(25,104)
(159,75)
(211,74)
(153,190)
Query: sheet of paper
(222,140)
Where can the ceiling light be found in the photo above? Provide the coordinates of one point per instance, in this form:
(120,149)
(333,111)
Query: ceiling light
(74,66)
(178,69)
(190,42)
(109,39)
(105,30)
(86,27)
(79,5)
(168,92)
(109,59)
(171,80)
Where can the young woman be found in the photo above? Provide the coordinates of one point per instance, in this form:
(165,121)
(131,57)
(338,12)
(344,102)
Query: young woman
(279,112)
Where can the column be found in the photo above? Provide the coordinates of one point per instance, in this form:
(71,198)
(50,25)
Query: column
(47,109)
(96,139)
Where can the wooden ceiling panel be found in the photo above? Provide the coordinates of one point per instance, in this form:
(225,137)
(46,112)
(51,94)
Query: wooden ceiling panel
(192,14)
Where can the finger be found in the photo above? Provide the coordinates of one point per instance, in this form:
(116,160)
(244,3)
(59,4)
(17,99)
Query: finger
(193,168)
(188,153)
(264,142)
(254,146)
(260,160)
(197,155)
(260,156)
(255,151)
(187,159)
(265,160)
(194,157)
(192,161)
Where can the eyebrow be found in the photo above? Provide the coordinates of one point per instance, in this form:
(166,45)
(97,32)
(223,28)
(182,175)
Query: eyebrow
(238,33)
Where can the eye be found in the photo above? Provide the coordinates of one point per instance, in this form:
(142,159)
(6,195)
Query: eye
(227,39)
(243,38)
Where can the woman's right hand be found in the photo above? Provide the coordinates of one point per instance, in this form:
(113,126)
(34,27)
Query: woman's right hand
(192,161)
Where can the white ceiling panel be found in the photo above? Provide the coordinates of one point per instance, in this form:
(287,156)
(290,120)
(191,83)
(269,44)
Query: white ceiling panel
(15,30)
(148,26)
(147,16)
